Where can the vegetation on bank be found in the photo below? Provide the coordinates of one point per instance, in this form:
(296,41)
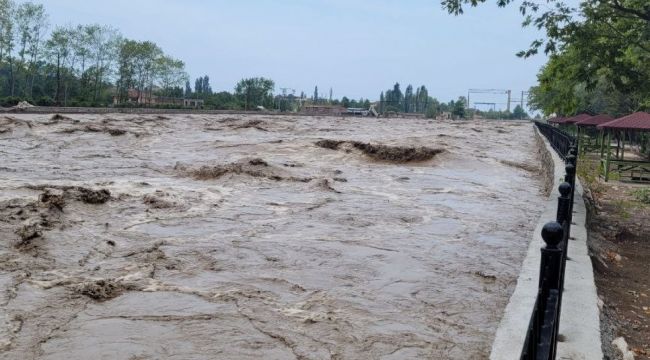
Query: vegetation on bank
(599,54)
(96,66)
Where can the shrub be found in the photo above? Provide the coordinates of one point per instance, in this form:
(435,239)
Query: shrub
(642,195)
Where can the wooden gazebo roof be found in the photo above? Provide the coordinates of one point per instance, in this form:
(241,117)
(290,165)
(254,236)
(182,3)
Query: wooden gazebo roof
(639,121)
(595,120)
(577,118)
(556,120)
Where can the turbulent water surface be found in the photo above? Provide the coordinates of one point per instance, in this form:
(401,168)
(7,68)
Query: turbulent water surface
(249,237)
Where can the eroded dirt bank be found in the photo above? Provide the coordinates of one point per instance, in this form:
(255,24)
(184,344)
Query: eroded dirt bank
(202,237)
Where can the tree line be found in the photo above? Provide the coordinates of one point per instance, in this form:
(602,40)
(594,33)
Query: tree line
(82,65)
(598,54)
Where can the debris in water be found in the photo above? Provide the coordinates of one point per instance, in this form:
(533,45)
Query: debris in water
(28,232)
(102,290)
(252,167)
(116,132)
(90,196)
(398,154)
(53,201)
(524,166)
(57,117)
(156,202)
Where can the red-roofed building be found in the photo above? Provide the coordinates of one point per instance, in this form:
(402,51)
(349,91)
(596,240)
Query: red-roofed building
(595,120)
(639,121)
(577,118)
(633,130)
(589,138)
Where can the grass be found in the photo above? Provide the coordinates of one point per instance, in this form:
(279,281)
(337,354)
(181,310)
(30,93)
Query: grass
(642,195)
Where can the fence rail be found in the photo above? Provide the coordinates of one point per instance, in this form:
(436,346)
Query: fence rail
(542,334)
(560,140)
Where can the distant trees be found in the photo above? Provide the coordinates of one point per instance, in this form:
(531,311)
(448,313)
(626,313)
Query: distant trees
(76,65)
(412,101)
(202,87)
(254,92)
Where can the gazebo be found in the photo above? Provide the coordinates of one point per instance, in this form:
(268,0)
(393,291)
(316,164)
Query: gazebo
(589,138)
(634,130)
(570,123)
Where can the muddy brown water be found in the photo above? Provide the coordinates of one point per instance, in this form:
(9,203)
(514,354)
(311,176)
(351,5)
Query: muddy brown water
(306,253)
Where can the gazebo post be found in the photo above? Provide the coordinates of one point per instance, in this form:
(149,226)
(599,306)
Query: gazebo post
(623,145)
(602,143)
(609,155)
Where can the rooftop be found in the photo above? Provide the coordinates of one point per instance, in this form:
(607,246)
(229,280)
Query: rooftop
(637,121)
(595,120)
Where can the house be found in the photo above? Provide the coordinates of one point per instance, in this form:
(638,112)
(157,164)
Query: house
(144,98)
(323,110)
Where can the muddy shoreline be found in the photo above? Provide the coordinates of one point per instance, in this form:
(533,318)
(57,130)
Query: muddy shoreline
(201,236)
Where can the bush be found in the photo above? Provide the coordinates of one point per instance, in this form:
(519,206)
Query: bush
(45,101)
(10,101)
(642,195)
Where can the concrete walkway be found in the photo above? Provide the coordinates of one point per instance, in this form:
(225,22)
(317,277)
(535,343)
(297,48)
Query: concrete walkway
(579,323)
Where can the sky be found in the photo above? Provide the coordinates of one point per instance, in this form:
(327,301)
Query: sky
(355,47)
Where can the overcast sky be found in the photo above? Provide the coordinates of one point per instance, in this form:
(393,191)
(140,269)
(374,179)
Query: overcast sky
(357,47)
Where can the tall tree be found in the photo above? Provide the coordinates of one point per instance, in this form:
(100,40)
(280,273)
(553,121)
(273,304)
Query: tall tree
(315,94)
(58,48)
(254,92)
(188,89)
(32,22)
(408,98)
(7,15)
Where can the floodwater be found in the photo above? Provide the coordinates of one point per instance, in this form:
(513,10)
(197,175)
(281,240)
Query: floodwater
(236,237)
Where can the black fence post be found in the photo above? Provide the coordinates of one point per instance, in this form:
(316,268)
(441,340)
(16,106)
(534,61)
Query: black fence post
(564,203)
(549,287)
(543,329)
(570,177)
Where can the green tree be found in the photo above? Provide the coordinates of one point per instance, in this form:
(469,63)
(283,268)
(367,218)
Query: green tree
(458,107)
(254,92)
(188,89)
(519,113)
(408,99)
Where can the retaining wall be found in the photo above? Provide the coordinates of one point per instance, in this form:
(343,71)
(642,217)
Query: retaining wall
(579,323)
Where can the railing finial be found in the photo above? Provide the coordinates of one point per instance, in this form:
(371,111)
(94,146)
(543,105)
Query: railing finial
(552,233)
(565,189)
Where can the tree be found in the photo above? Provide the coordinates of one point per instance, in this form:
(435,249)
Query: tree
(198,86)
(604,42)
(345,102)
(207,89)
(382,99)
(254,92)
(171,74)
(59,48)
(188,89)
(315,94)
(422,100)
(408,99)
(458,107)
(519,113)
(31,21)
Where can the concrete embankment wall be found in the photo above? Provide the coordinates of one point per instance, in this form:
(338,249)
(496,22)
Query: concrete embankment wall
(579,323)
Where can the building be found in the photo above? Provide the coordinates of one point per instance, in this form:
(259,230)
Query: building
(323,110)
(143,98)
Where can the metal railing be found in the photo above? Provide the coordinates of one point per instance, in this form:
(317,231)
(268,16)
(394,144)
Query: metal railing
(560,140)
(542,334)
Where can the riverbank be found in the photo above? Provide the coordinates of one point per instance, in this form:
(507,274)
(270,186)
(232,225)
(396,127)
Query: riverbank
(619,229)
(579,323)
